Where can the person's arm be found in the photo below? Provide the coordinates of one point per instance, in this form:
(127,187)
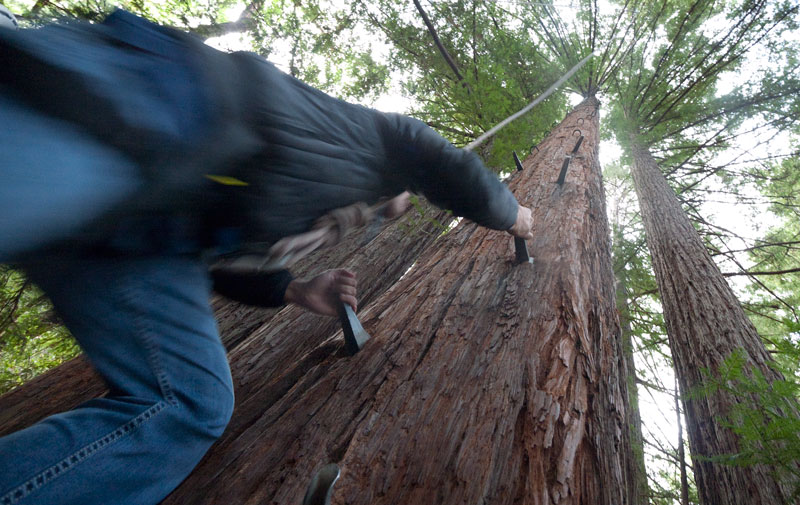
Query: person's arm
(320,294)
(252,288)
(451,178)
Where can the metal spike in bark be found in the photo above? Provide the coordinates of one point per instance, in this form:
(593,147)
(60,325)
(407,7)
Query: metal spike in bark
(569,157)
(520,246)
(516,161)
(321,487)
(354,334)
(522,251)
(563,174)
(577,144)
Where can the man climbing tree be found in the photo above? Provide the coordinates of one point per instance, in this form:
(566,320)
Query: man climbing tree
(485,381)
(153,151)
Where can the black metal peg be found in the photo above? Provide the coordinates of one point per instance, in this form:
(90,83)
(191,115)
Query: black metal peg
(577,145)
(521,248)
(354,334)
(516,161)
(563,174)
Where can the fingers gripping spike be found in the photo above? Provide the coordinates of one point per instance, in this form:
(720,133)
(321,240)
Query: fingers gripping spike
(520,246)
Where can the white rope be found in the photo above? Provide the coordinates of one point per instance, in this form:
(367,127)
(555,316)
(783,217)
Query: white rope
(475,143)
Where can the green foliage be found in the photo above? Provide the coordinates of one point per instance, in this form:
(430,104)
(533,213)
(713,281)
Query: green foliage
(31,339)
(774,297)
(499,70)
(765,422)
(320,43)
(668,91)
(420,216)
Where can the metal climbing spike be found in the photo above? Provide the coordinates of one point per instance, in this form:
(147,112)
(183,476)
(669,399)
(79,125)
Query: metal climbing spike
(321,487)
(577,145)
(354,334)
(521,248)
(516,161)
(562,176)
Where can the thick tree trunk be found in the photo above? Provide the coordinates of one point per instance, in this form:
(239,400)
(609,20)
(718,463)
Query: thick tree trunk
(705,325)
(638,472)
(640,490)
(378,264)
(485,381)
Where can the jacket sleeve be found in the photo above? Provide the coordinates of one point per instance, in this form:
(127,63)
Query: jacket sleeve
(451,178)
(261,289)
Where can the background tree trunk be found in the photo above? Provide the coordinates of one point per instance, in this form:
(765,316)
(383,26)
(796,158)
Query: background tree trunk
(681,451)
(705,325)
(484,381)
(378,264)
(640,490)
(638,472)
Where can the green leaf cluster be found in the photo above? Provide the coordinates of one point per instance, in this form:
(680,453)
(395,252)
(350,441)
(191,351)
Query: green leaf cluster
(499,70)
(775,297)
(31,338)
(767,426)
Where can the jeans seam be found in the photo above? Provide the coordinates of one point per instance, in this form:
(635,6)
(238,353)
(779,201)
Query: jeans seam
(145,332)
(50,474)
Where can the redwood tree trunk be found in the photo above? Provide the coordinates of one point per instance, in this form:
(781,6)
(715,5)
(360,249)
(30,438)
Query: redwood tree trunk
(379,263)
(705,325)
(485,381)
(640,491)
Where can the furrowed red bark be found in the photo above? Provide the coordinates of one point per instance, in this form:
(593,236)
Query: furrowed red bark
(485,381)
(379,263)
(705,325)
(639,490)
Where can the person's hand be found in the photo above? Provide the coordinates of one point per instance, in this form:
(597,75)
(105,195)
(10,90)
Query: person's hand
(523,227)
(323,293)
(397,206)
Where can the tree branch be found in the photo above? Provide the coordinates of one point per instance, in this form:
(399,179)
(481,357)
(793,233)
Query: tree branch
(437,41)
(773,272)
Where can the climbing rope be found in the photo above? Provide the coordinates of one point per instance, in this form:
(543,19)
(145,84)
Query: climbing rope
(478,141)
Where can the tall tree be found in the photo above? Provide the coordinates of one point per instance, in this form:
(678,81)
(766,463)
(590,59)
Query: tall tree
(706,325)
(638,482)
(668,103)
(485,380)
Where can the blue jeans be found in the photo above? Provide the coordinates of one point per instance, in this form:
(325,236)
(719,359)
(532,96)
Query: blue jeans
(142,318)
(146,324)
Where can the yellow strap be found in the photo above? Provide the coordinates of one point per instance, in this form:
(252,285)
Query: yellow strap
(228,181)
